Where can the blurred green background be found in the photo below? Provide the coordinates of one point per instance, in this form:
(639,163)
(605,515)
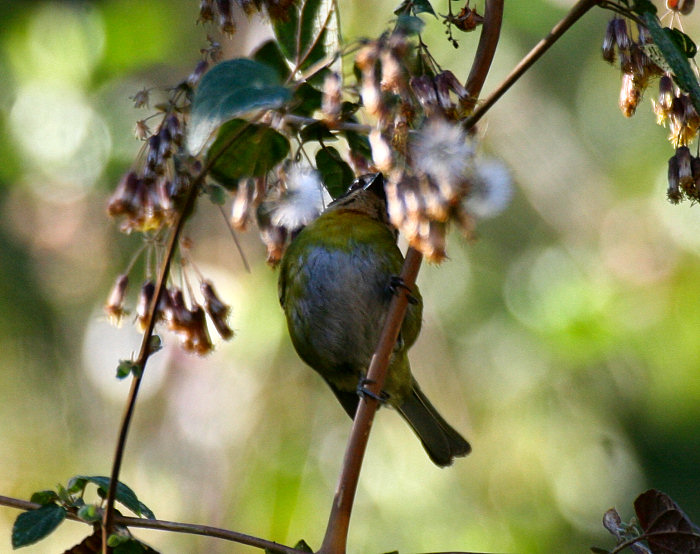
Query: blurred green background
(563,342)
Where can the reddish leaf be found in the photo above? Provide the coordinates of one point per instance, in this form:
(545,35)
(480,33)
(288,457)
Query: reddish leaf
(668,530)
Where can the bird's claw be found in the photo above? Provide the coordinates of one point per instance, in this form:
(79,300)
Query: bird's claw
(362,390)
(396,283)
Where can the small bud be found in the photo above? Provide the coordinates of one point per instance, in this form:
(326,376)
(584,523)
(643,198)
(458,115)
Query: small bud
(424,89)
(685,171)
(172,124)
(609,42)
(621,33)
(226,24)
(165,145)
(153,159)
(684,7)
(115,303)
(392,74)
(206,11)
(332,98)
(141,130)
(673,193)
(199,70)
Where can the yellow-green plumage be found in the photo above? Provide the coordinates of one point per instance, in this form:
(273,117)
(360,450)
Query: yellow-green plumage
(334,286)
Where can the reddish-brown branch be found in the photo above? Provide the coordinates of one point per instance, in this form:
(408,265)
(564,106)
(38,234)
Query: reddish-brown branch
(577,11)
(485,51)
(335,539)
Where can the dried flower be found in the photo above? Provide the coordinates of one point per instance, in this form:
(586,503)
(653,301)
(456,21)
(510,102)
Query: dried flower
(141,98)
(217,310)
(115,303)
(381,151)
(332,99)
(143,304)
(630,94)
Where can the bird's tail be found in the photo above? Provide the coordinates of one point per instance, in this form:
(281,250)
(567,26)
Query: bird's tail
(440,440)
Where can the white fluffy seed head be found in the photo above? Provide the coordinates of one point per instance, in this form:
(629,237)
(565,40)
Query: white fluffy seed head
(491,189)
(302,201)
(441,151)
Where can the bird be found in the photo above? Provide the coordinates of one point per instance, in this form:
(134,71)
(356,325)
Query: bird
(337,277)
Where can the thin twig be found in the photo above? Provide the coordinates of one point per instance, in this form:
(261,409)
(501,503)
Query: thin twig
(335,539)
(578,11)
(162,525)
(145,352)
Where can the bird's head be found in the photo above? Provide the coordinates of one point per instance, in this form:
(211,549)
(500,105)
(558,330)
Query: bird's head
(366,194)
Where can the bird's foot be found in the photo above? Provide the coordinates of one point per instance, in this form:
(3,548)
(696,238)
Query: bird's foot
(362,390)
(396,283)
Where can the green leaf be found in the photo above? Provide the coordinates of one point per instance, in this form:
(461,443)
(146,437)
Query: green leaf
(306,100)
(123,494)
(133,546)
(683,42)
(126,367)
(31,527)
(44,497)
(415,6)
(269,54)
(359,144)
(675,57)
(309,34)
(244,149)
(76,484)
(230,89)
(409,24)
(643,6)
(336,174)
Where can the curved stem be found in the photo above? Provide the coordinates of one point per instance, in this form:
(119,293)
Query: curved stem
(578,11)
(490,33)
(336,536)
(145,352)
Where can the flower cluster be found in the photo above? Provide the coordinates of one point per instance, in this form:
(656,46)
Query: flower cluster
(676,109)
(673,107)
(145,198)
(636,66)
(420,144)
(221,11)
(186,320)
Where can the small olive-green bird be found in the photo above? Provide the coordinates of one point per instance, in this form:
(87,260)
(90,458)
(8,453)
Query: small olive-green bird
(335,286)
